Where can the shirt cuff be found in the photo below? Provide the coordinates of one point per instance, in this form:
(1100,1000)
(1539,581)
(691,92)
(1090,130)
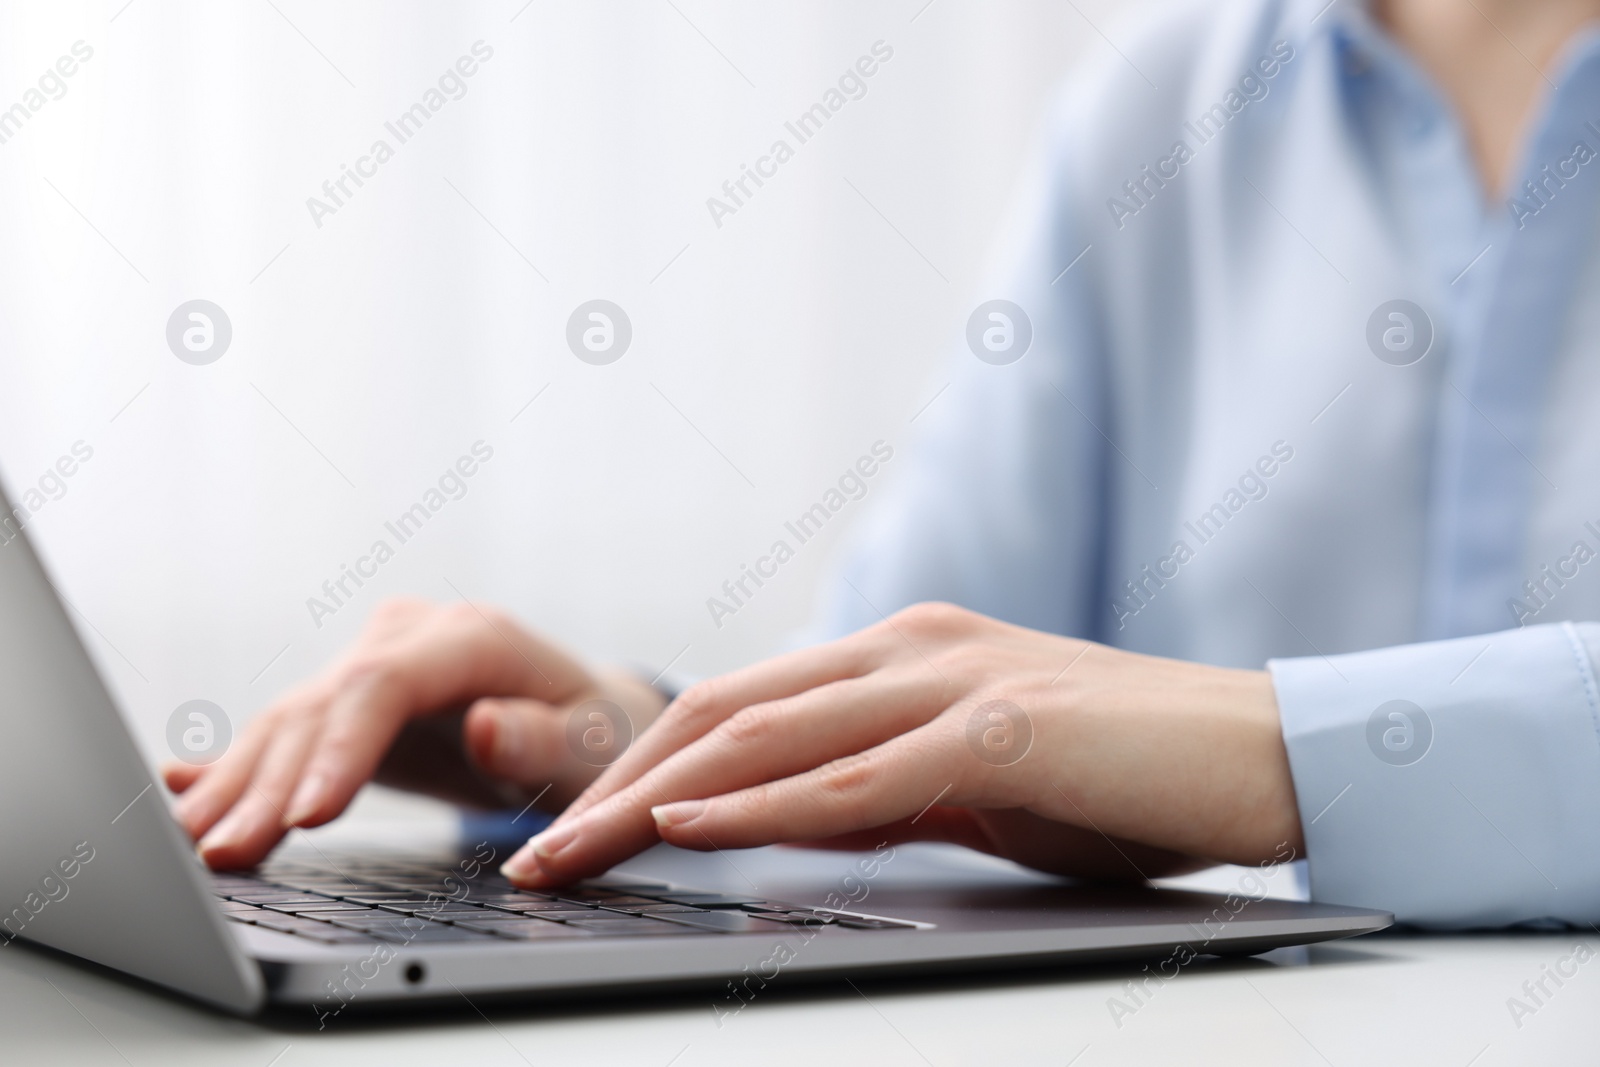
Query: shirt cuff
(1454,783)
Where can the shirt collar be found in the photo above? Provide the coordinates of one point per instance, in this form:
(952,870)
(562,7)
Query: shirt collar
(1354,28)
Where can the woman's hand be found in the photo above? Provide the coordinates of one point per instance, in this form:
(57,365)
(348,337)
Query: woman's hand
(457,700)
(939,723)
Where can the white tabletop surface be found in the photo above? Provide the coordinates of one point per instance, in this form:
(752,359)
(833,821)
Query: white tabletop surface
(1387,998)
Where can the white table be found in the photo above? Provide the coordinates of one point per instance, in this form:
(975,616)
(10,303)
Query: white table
(1407,998)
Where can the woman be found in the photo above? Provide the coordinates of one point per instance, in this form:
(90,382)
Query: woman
(1291,355)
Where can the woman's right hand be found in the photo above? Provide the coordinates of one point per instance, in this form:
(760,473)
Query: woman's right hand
(457,700)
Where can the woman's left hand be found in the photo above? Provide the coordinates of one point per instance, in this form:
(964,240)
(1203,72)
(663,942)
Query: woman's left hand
(939,723)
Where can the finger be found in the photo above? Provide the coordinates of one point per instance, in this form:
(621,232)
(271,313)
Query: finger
(218,785)
(360,726)
(703,707)
(180,776)
(758,744)
(467,652)
(256,823)
(525,741)
(891,782)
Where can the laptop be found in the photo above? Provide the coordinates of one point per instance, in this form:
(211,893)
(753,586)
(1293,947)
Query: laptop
(95,866)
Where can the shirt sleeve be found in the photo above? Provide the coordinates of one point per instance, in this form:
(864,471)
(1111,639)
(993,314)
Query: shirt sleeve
(1455,783)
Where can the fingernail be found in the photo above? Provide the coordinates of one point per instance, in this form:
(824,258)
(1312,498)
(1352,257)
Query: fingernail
(669,815)
(529,860)
(307,800)
(523,866)
(223,835)
(554,841)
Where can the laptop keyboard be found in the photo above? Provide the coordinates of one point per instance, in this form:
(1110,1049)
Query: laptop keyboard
(366,901)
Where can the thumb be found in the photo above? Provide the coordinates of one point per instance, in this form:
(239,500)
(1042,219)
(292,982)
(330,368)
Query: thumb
(525,742)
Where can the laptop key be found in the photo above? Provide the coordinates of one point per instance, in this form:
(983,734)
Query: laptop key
(645,929)
(458,915)
(391,922)
(330,935)
(289,924)
(727,922)
(450,915)
(429,908)
(381,899)
(594,896)
(429,934)
(589,915)
(534,931)
(403,929)
(493,925)
(631,886)
(327,908)
(279,898)
(612,901)
(536,907)
(794,918)
(713,900)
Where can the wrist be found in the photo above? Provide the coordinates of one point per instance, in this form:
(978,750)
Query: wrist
(1176,755)
(1270,809)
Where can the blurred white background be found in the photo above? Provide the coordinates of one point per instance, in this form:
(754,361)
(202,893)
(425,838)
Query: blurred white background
(372,351)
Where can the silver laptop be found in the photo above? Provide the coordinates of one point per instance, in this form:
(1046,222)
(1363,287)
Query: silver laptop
(93,865)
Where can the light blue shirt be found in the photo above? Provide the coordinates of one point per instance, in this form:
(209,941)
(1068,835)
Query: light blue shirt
(1225,442)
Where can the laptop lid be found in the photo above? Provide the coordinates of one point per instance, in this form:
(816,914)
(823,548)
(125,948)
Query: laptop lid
(92,864)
